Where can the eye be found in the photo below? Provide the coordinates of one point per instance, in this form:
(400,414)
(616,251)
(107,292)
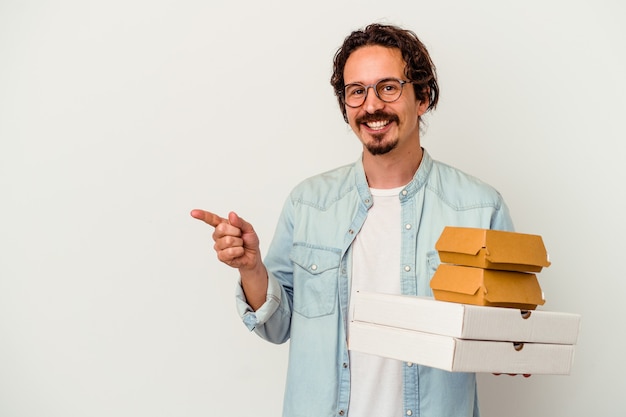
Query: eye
(388,87)
(355,90)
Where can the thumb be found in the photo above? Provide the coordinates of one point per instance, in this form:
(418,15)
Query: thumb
(240,223)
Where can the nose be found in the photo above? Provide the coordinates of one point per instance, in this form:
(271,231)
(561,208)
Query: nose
(372,102)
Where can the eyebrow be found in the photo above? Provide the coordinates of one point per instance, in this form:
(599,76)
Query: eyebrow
(390,77)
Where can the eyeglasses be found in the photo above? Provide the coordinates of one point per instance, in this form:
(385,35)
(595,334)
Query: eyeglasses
(387,90)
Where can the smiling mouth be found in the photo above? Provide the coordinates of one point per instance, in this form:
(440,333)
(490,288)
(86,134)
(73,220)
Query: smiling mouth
(378,120)
(378,124)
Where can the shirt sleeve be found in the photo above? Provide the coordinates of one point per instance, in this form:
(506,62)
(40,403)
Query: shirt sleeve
(501,218)
(252,318)
(272,321)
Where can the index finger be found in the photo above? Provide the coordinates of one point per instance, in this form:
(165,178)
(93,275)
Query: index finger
(207,217)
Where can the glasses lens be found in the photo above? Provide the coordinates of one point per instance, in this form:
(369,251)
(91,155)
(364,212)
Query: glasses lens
(389,90)
(355,94)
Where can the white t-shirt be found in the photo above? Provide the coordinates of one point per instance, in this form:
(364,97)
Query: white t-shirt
(376,382)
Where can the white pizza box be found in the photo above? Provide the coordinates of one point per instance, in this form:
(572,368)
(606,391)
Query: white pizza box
(465,321)
(460,355)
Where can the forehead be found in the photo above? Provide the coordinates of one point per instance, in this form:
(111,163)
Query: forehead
(371,63)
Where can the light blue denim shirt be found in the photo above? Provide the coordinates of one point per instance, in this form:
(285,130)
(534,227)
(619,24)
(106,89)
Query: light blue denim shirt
(309,267)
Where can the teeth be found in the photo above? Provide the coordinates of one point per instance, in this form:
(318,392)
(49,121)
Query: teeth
(377,125)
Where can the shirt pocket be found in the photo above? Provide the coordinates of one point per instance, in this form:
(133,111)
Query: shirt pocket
(315,279)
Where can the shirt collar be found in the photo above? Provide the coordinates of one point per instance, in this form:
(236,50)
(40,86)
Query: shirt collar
(418,181)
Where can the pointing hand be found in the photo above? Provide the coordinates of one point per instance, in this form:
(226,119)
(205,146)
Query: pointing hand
(236,242)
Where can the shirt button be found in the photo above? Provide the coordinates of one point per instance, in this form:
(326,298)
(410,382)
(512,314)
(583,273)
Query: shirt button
(409,412)
(351,231)
(404,192)
(409,364)
(407,226)
(407,268)
(314,267)
(341,412)
(345,365)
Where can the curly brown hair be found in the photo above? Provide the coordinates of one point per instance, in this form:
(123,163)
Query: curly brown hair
(420,69)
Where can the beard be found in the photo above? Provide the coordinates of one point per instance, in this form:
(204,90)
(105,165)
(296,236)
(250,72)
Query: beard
(379,147)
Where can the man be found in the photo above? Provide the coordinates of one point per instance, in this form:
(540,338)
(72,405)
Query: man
(371,225)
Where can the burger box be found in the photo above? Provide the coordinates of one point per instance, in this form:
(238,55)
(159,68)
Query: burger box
(463,338)
(486,287)
(492,249)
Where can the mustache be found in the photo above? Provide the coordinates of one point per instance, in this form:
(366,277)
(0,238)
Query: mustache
(377,116)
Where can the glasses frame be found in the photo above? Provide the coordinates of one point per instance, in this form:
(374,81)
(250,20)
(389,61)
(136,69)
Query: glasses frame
(373,86)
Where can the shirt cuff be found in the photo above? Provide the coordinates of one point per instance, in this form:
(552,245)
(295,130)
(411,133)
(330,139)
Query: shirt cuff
(252,318)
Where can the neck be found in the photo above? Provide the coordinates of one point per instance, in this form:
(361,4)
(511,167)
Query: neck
(391,170)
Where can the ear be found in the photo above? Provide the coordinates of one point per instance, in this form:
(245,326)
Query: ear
(422,106)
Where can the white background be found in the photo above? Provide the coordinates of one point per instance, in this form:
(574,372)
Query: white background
(118,117)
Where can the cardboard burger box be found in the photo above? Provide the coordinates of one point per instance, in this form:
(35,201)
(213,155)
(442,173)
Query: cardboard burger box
(492,249)
(463,338)
(486,287)
(489,268)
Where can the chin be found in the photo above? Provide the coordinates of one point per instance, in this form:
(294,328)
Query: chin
(379,148)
